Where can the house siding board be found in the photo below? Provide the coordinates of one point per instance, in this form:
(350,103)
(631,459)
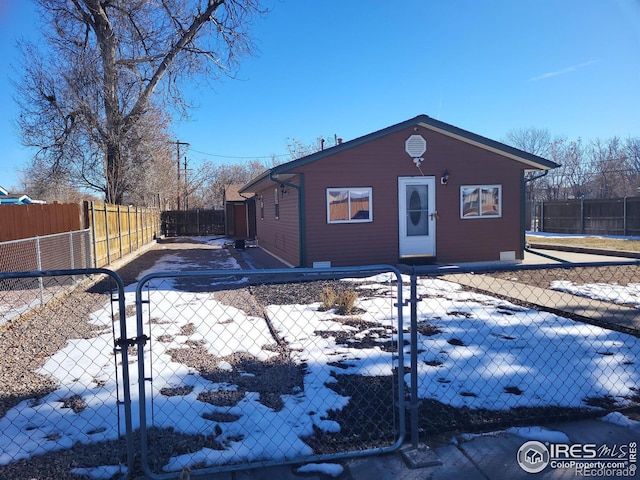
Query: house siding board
(279,236)
(379,164)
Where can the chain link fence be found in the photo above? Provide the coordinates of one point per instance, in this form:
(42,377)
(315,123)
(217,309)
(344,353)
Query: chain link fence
(61,388)
(242,369)
(71,250)
(525,346)
(245,370)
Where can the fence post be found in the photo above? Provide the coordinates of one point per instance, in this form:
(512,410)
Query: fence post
(413,301)
(94,239)
(582,215)
(106,225)
(129,227)
(39,267)
(72,256)
(624,217)
(542,216)
(120,231)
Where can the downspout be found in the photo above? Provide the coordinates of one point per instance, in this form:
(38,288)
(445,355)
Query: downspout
(302,219)
(523,215)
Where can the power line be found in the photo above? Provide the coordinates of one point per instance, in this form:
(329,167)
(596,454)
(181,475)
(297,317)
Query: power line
(244,157)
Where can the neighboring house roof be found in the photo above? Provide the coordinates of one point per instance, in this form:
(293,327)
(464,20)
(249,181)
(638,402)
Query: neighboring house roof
(17,199)
(231,193)
(532,162)
(7,198)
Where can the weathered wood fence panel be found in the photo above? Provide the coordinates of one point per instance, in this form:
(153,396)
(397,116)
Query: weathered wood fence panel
(176,223)
(36,220)
(118,230)
(612,216)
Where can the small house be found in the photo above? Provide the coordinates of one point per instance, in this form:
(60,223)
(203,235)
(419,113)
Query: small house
(415,192)
(239,213)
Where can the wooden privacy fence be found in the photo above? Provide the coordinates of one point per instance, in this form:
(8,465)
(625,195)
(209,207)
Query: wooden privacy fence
(611,216)
(176,223)
(117,230)
(37,220)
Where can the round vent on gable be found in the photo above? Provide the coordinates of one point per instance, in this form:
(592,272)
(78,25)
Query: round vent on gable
(415,146)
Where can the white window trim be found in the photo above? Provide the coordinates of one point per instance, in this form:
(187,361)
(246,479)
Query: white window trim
(480,187)
(276,205)
(369,190)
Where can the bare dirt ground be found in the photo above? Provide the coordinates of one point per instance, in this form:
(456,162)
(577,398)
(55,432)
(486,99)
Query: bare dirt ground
(618,275)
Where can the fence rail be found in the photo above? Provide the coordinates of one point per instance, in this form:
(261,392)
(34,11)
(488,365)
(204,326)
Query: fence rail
(233,370)
(615,216)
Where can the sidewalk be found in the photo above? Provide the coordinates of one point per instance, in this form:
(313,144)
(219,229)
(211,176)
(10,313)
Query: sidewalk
(490,456)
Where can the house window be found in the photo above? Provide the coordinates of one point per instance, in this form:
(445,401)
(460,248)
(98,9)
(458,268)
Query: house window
(277,204)
(261,207)
(480,201)
(349,205)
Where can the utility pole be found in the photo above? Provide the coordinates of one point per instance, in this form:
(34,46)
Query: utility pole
(179,186)
(186,185)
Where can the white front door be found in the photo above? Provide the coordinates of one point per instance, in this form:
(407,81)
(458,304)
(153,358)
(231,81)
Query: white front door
(417,216)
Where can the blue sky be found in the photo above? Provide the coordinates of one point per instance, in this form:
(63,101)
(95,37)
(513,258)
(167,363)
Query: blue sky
(353,67)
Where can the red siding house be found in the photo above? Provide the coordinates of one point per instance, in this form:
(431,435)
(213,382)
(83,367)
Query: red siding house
(419,191)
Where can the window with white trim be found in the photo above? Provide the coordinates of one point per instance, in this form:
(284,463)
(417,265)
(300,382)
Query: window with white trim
(277,204)
(349,205)
(480,201)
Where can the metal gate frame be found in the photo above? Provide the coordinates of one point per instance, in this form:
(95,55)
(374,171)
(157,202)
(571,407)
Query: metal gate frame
(120,344)
(318,274)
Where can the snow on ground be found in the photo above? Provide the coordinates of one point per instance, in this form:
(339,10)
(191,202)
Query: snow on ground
(487,353)
(496,355)
(623,294)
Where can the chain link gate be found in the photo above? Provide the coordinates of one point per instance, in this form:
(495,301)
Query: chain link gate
(64,384)
(245,369)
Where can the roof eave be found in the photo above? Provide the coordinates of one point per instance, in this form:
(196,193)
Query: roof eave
(532,162)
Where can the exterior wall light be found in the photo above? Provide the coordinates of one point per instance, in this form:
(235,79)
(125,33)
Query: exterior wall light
(444,179)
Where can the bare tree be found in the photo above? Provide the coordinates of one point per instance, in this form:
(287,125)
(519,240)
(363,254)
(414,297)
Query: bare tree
(298,149)
(112,65)
(613,168)
(536,141)
(215,178)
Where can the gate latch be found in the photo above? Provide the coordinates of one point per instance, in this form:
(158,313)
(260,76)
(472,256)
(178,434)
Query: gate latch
(140,340)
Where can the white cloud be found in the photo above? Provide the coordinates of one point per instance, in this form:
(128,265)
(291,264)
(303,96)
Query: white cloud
(564,71)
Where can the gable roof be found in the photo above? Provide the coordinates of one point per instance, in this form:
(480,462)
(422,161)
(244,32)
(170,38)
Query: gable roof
(231,193)
(17,199)
(532,162)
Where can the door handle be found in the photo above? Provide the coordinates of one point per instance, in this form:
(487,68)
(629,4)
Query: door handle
(435,216)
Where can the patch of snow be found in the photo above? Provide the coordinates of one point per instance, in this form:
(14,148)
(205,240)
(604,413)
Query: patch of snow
(105,472)
(539,433)
(331,469)
(618,418)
